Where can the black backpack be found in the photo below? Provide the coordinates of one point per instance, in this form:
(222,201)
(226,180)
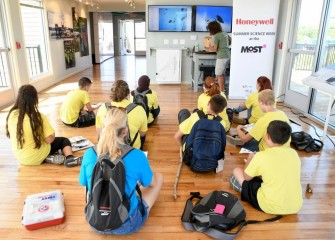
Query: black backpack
(141,99)
(205,145)
(130,107)
(215,214)
(303,141)
(108,206)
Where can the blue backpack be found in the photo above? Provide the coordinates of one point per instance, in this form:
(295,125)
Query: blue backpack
(206,144)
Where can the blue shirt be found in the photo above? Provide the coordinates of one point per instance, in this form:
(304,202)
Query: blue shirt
(137,169)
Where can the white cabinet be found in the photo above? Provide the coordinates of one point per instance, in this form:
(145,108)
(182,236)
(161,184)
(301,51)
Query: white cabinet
(168,66)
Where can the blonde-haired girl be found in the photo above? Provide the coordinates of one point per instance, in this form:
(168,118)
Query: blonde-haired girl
(112,142)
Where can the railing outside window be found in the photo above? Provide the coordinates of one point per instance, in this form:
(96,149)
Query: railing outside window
(33,20)
(4,74)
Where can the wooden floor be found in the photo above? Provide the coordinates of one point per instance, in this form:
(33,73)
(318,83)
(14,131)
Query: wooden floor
(316,220)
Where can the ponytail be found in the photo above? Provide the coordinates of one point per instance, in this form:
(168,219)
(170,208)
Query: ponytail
(211,87)
(110,141)
(264,83)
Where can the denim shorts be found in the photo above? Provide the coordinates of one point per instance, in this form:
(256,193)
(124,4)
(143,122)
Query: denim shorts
(133,223)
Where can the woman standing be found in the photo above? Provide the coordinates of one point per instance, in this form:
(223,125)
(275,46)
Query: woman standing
(220,41)
(31,135)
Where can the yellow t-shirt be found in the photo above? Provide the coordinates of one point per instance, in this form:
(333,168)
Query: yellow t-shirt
(256,111)
(258,131)
(186,126)
(28,154)
(137,119)
(74,101)
(280,192)
(202,105)
(152,104)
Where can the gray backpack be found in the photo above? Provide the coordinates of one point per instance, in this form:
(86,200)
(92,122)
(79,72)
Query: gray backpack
(108,206)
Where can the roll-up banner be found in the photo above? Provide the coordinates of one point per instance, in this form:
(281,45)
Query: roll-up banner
(253,44)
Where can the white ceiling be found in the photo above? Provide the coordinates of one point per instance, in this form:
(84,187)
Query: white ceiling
(120,1)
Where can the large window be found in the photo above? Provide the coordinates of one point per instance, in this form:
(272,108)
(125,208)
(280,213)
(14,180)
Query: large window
(33,20)
(4,51)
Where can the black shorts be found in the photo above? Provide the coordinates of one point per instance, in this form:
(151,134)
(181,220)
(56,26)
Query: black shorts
(84,120)
(249,191)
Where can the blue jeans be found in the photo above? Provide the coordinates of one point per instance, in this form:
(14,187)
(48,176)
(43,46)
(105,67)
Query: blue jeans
(133,223)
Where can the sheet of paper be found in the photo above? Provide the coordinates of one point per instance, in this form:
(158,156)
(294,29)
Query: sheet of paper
(220,165)
(244,150)
(248,127)
(145,153)
(79,143)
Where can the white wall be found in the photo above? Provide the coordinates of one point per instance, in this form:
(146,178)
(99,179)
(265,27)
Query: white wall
(58,71)
(156,39)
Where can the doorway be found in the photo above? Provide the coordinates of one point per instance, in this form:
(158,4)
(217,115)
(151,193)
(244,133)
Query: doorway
(302,50)
(127,37)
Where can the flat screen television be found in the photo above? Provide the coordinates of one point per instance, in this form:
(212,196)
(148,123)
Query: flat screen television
(169,18)
(206,14)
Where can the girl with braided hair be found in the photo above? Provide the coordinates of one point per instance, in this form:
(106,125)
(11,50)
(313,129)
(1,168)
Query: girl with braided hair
(31,135)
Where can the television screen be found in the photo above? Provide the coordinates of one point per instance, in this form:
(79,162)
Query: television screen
(169,18)
(206,14)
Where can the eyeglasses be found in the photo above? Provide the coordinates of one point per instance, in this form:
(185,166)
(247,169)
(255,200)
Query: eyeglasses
(115,107)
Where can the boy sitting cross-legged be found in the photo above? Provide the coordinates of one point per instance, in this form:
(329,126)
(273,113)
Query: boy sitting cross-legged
(254,140)
(270,180)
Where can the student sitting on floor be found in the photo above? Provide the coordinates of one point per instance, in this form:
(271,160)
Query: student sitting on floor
(137,170)
(254,110)
(270,180)
(151,95)
(210,89)
(137,118)
(31,135)
(255,139)
(72,112)
(186,120)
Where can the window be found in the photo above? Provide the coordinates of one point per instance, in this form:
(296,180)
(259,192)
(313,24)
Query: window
(33,20)
(4,51)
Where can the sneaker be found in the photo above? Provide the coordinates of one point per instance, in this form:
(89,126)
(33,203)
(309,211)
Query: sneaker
(55,159)
(239,121)
(72,161)
(235,184)
(235,140)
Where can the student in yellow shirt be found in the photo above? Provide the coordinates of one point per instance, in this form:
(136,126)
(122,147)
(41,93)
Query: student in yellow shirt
(186,120)
(255,139)
(270,180)
(31,135)
(137,118)
(72,112)
(254,110)
(151,95)
(210,89)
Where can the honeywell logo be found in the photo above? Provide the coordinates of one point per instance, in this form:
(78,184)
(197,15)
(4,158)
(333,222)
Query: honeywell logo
(254,22)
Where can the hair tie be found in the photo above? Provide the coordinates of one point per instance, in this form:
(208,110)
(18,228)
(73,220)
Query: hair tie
(212,84)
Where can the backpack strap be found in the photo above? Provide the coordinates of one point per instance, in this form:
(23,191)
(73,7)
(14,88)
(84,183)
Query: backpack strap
(201,114)
(186,217)
(130,107)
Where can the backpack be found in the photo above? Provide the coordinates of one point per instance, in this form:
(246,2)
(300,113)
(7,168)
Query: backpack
(215,214)
(304,141)
(205,144)
(141,99)
(108,206)
(130,107)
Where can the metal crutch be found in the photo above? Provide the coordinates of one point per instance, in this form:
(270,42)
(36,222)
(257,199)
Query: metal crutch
(178,173)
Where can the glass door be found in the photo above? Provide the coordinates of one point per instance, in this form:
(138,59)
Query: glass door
(140,40)
(326,60)
(6,86)
(127,37)
(301,57)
